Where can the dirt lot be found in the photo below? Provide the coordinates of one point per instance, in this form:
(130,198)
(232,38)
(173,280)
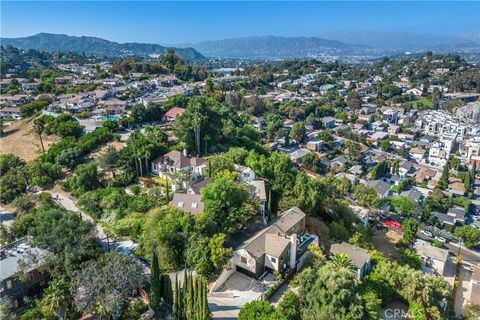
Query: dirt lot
(20,139)
(116,144)
(384,241)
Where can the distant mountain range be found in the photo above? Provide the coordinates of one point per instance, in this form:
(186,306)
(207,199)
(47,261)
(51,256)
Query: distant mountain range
(465,42)
(339,44)
(96,46)
(279,47)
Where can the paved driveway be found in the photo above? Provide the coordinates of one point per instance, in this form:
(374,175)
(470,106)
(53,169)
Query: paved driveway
(237,291)
(463,290)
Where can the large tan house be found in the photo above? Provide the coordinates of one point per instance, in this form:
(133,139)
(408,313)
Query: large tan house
(274,248)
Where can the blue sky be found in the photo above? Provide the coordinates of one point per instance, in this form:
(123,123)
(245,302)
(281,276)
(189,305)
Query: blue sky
(183,22)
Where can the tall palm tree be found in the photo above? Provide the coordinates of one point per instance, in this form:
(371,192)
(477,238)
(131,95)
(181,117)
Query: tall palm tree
(134,149)
(57,298)
(197,122)
(139,156)
(147,154)
(39,127)
(341,260)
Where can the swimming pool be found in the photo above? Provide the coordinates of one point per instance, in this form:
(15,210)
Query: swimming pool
(114,118)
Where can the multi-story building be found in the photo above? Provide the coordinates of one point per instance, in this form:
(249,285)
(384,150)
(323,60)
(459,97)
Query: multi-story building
(11,257)
(440,150)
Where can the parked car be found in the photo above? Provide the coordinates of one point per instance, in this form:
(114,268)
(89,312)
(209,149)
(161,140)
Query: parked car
(441,239)
(427,233)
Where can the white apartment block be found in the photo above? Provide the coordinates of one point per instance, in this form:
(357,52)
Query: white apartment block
(470,150)
(439,123)
(440,150)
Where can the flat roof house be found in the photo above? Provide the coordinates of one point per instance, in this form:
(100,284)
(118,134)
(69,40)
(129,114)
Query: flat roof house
(10,256)
(361,259)
(433,259)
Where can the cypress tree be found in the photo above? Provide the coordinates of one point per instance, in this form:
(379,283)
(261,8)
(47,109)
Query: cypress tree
(184,294)
(175,299)
(269,205)
(206,310)
(167,292)
(167,192)
(198,299)
(156,287)
(190,312)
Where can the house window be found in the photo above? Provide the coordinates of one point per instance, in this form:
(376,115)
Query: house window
(274,260)
(243,260)
(9,284)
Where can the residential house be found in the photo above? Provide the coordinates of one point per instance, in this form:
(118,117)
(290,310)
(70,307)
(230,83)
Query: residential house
(406,169)
(351,177)
(10,112)
(328,122)
(434,259)
(361,259)
(381,187)
(315,145)
(424,174)
(172,114)
(458,215)
(393,129)
(167,165)
(257,189)
(339,161)
(457,188)
(259,123)
(444,219)
(297,155)
(191,203)
(416,92)
(377,136)
(245,174)
(377,126)
(114,106)
(417,154)
(197,186)
(368,118)
(390,115)
(414,194)
(11,255)
(15,101)
(356,170)
(276,247)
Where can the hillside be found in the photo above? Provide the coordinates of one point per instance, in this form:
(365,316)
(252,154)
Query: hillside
(20,139)
(96,46)
(407,41)
(278,47)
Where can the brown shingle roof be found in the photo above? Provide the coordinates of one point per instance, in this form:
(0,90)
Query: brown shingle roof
(188,202)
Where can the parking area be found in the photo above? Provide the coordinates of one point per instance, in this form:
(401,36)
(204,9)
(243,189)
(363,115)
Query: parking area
(237,291)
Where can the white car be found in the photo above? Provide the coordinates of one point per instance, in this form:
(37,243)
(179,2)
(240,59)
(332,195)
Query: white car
(476,218)
(441,239)
(427,233)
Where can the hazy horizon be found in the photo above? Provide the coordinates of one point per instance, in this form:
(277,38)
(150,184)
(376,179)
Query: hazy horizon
(191,22)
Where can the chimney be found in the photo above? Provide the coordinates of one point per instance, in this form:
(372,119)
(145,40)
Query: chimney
(185,152)
(293,250)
